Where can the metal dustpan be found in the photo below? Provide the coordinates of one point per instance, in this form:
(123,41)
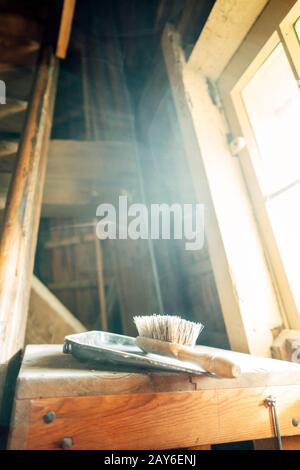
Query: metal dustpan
(102,348)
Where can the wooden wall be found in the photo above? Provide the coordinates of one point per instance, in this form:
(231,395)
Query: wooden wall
(104,96)
(68,263)
(96,107)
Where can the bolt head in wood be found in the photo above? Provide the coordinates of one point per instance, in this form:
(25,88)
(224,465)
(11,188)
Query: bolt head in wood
(49,417)
(66,443)
(295,422)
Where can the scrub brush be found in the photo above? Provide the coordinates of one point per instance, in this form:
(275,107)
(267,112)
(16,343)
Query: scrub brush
(173,336)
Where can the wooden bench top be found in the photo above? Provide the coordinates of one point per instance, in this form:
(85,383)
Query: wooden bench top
(47,372)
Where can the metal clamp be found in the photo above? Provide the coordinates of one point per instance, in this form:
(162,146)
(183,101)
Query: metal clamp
(271,403)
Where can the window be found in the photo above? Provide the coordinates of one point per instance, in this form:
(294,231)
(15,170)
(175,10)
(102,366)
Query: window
(267,104)
(272,101)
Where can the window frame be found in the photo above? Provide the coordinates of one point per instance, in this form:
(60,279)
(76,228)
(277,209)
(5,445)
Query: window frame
(283,32)
(290,40)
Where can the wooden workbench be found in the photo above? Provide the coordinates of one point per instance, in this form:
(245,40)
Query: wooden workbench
(105,409)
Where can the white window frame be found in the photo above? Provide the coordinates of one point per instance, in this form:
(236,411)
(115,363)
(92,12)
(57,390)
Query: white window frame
(285,35)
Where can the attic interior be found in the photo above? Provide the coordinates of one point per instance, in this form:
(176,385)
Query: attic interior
(174,103)
(99,98)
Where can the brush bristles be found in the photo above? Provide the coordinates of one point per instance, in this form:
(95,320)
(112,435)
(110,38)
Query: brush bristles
(169,328)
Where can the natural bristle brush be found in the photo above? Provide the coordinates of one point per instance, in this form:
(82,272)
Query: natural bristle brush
(173,336)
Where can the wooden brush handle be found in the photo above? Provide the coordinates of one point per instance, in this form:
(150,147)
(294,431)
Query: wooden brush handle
(218,365)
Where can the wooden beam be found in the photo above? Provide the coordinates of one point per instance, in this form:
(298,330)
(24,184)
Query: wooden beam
(49,321)
(286,345)
(168,10)
(20,53)
(65,28)
(103,160)
(19,80)
(74,284)
(22,214)
(68,200)
(73,183)
(107,160)
(19,26)
(12,116)
(242,276)
(101,285)
(226,27)
(8,148)
(193,17)
(74,240)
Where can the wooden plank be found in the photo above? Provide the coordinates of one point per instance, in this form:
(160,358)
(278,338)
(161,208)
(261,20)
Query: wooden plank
(73,183)
(12,116)
(101,285)
(74,240)
(22,213)
(236,408)
(106,160)
(8,152)
(139,421)
(12,106)
(226,27)
(8,148)
(281,346)
(19,80)
(75,284)
(19,53)
(49,321)
(47,372)
(19,26)
(65,28)
(162,420)
(236,253)
(73,202)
